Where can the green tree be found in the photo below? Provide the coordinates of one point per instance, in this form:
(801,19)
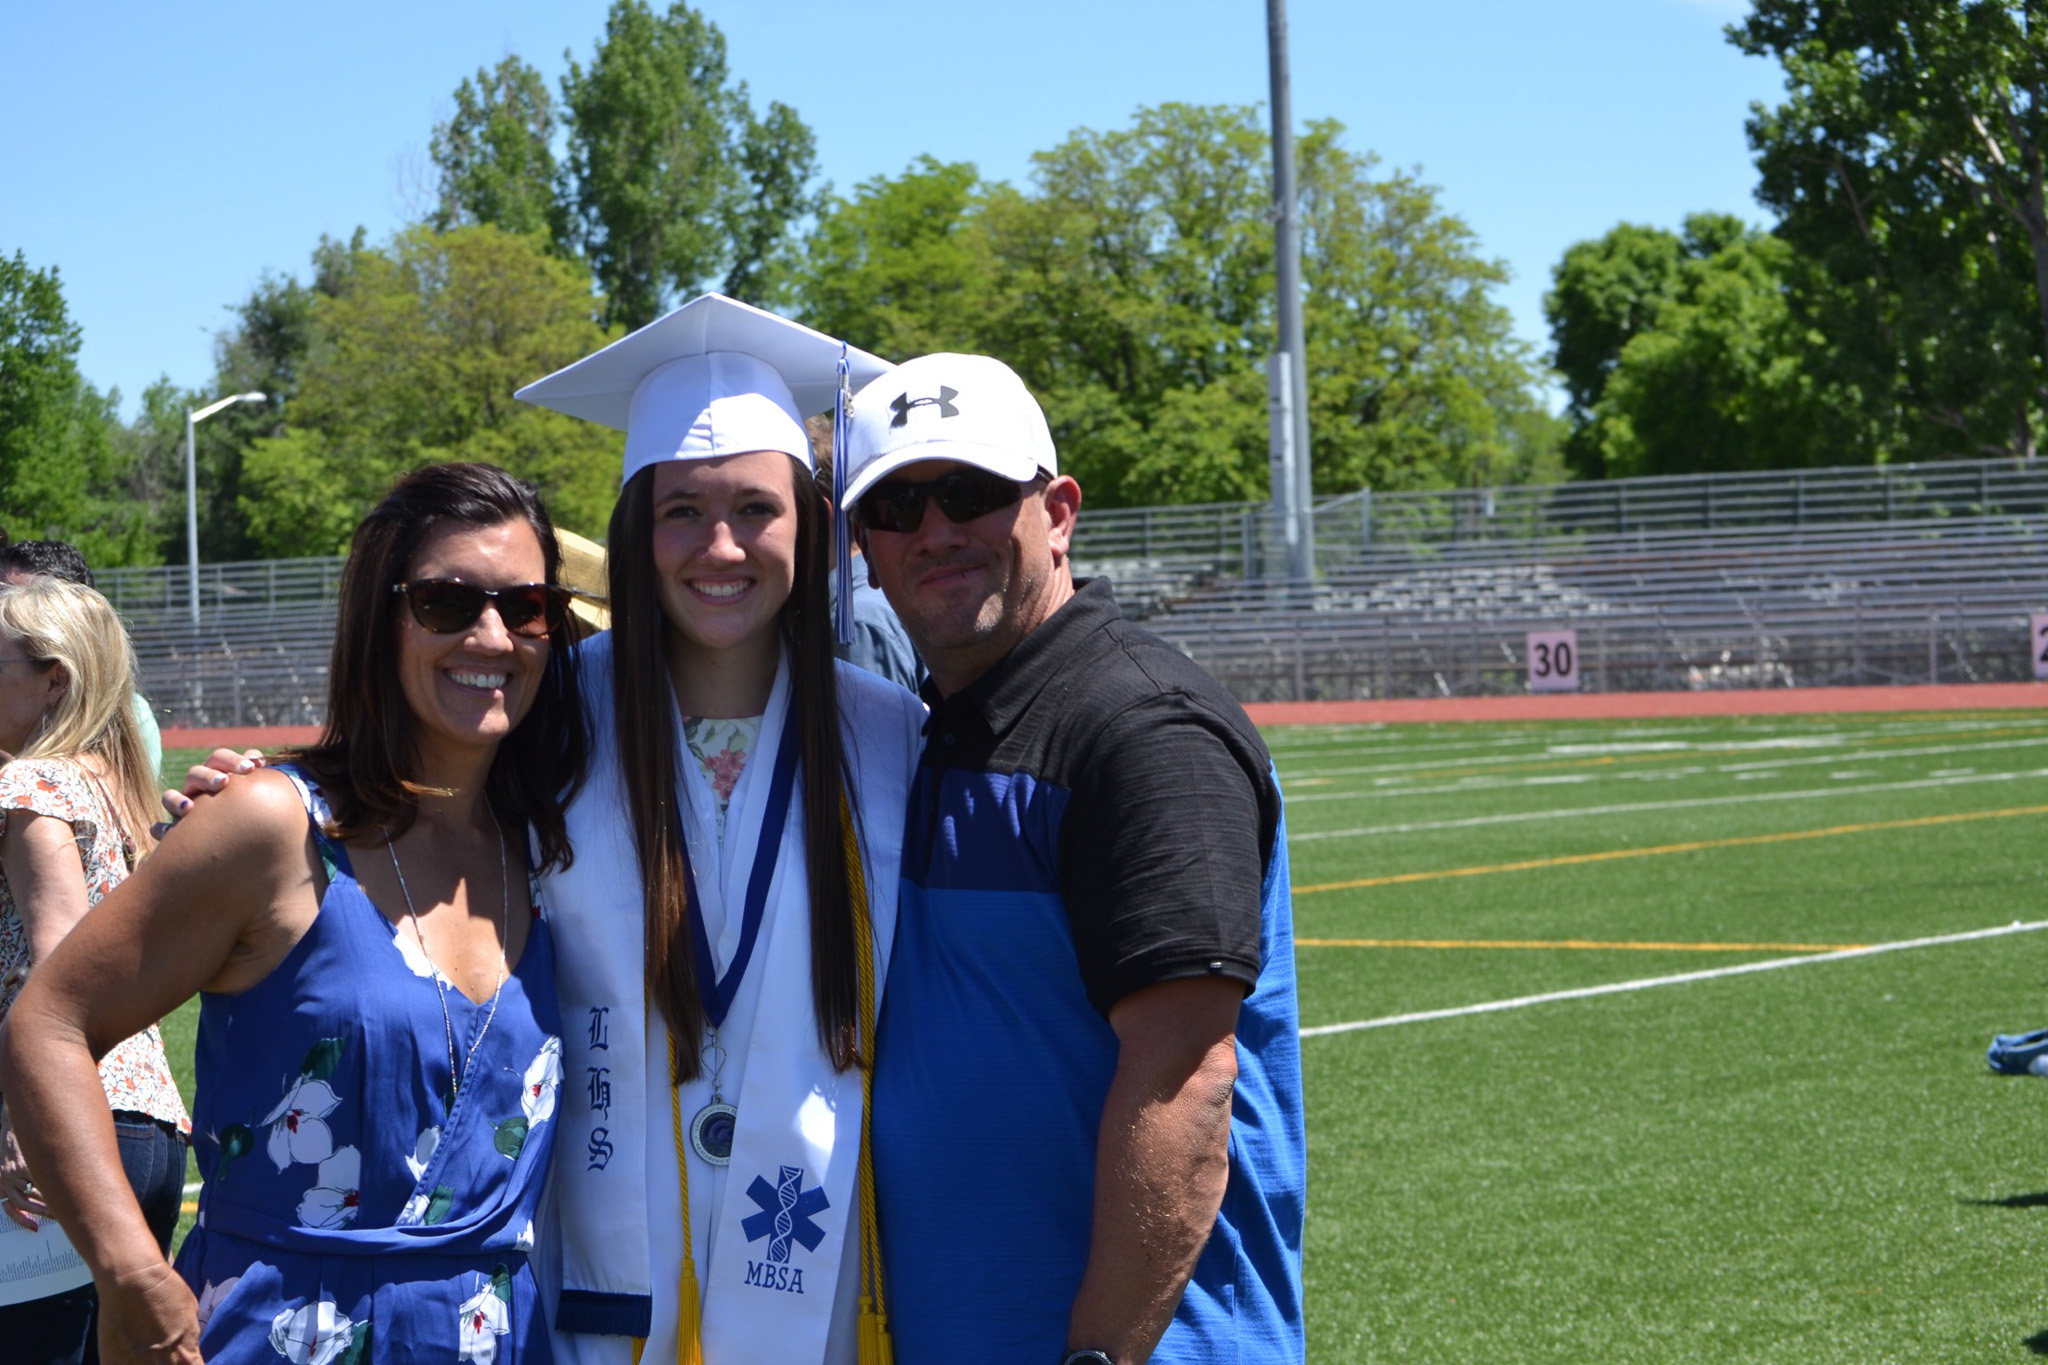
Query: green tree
(1132,287)
(415,361)
(1415,377)
(1604,294)
(1681,353)
(904,267)
(1907,169)
(496,156)
(261,351)
(60,465)
(677,182)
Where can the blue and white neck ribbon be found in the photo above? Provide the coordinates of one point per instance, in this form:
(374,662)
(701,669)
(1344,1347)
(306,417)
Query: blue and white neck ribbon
(842,535)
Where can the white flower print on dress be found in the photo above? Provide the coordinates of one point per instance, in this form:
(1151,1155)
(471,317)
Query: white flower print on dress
(332,1201)
(212,1295)
(543,1078)
(485,1317)
(423,1152)
(416,957)
(296,1130)
(313,1335)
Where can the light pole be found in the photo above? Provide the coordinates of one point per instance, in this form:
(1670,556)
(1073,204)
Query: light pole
(1287,376)
(192,420)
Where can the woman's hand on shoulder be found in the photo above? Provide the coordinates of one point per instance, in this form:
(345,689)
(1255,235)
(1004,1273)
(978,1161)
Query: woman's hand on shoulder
(207,779)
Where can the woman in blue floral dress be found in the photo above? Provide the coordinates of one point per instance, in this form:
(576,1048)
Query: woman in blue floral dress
(379,1050)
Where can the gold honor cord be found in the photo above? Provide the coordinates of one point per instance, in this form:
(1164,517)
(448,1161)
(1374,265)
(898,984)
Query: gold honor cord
(689,1311)
(875,1348)
(874,1314)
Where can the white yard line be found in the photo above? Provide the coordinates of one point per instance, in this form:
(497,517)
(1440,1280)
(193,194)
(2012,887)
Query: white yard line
(1682,803)
(1883,755)
(1836,745)
(1646,983)
(1386,786)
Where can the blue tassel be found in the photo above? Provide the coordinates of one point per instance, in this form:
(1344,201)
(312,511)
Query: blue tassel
(842,536)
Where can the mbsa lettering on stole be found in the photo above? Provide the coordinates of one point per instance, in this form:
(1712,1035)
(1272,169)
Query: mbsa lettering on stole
(766,1275)
(786,1216)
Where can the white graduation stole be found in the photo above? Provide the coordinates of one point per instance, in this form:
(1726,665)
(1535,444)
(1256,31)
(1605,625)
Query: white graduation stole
(798,1127)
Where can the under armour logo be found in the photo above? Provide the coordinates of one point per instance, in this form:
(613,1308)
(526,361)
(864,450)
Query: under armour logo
(903,403)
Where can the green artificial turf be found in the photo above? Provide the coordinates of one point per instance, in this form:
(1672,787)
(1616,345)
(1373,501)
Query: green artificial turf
(1809,1164)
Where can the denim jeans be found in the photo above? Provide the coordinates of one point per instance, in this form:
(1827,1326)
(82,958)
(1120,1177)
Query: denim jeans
(63,1329)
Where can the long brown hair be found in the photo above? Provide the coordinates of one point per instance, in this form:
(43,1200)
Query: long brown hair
(643,709)
(364,758)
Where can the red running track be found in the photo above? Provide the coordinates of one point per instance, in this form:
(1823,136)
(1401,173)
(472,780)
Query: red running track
(264,737)
(1781,701)
(1786,701)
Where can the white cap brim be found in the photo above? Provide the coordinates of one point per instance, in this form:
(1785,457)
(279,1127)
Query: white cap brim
(1007,463)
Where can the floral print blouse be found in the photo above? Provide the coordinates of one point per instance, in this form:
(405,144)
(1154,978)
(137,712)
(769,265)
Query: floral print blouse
(136,1075)
(721,747)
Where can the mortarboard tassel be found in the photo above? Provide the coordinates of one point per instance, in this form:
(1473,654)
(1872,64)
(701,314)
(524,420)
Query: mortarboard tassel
(842,537)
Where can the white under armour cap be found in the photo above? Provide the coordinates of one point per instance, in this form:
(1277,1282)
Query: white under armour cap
(969,408)
(715,377)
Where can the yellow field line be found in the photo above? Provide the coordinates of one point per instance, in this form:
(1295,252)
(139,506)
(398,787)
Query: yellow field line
(1695,846)
(1578,944)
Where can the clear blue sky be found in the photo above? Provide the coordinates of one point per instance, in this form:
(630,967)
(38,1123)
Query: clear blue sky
(164,157)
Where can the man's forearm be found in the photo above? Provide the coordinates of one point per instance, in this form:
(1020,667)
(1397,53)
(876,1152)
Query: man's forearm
(1162,1160)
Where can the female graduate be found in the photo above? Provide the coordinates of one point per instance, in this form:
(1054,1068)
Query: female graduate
(724,928)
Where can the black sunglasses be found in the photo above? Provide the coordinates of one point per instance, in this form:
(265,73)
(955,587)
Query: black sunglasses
(446,605)
(962,494)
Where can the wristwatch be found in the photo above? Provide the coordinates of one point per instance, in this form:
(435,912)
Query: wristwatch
(1087,1357)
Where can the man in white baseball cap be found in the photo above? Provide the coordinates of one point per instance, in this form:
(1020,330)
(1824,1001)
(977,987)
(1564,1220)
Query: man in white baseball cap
(1088,1112)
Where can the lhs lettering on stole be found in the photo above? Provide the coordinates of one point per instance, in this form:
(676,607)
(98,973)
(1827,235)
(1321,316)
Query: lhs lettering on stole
(598,1150)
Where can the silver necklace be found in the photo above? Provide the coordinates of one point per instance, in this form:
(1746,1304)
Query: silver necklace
(455,1077)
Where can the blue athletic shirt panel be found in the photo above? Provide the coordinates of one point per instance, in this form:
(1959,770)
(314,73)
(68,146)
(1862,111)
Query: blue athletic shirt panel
(1012,945)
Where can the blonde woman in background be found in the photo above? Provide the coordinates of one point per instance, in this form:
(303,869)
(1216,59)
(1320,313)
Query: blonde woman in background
(74,818)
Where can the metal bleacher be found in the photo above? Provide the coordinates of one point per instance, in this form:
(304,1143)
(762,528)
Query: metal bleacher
(1899,602)
(1824,577)
(259,653)
(1819,577)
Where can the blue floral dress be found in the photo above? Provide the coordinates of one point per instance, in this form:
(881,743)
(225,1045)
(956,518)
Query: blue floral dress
(352,1211)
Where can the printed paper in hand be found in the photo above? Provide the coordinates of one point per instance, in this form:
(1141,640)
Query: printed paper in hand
(35,1265)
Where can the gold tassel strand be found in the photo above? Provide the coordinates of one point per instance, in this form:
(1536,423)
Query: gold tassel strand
(875,1347)
(689,1307)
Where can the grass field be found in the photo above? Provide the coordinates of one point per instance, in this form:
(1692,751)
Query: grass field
(1806,1164)
(1809,1164)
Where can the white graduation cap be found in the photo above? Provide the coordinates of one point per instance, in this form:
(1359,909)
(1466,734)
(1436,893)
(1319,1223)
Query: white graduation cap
(714,377)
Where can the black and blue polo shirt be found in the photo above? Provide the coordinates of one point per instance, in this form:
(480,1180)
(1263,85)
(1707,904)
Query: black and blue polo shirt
(1094,816)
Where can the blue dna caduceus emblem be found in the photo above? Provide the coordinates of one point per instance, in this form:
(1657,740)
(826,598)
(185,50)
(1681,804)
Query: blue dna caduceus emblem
(786,1210)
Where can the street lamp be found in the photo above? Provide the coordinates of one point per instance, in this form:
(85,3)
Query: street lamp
(192,420)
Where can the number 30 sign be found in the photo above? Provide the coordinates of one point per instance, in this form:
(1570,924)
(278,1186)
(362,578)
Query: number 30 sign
(1554,660)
